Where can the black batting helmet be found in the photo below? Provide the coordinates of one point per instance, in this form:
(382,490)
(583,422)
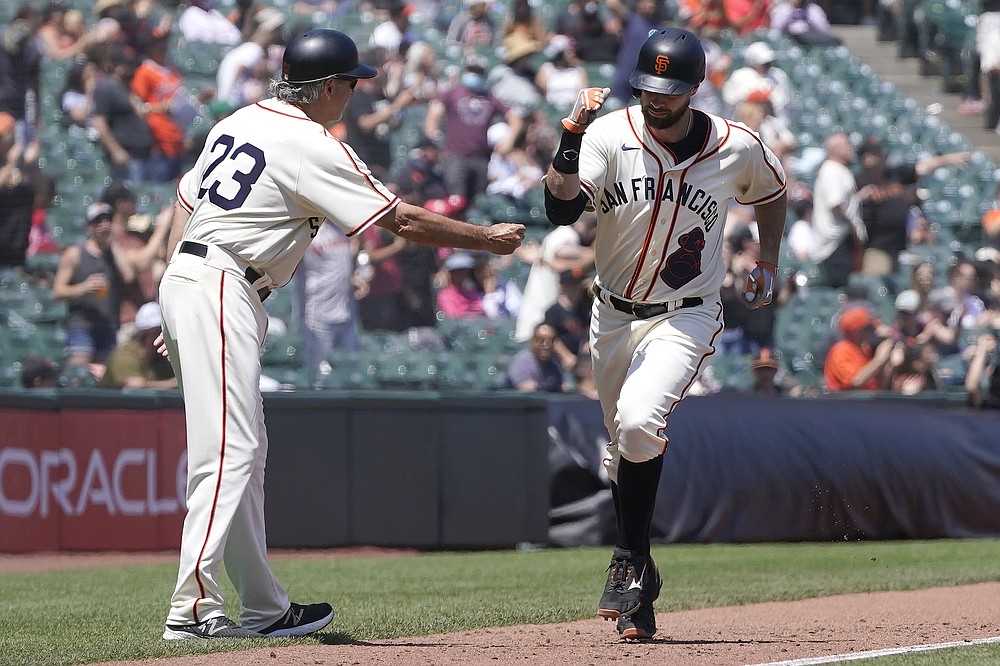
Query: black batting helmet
(320,54)
(671,62)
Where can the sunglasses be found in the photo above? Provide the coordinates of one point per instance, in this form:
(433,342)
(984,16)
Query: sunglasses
(353,82)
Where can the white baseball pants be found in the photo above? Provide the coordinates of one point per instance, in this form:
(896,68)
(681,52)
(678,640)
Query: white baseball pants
(214,325)
(643,368)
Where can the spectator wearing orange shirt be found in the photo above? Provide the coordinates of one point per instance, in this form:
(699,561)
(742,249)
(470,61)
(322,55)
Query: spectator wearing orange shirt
(743,16)
(159,85)
(859,360)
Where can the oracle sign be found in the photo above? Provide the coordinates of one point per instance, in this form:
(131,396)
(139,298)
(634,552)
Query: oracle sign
(99,479)
(38,483)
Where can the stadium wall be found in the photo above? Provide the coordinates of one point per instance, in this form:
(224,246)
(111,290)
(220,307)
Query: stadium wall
(100,470)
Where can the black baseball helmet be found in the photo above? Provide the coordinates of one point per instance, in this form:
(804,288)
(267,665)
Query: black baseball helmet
(320,54)
(671,62)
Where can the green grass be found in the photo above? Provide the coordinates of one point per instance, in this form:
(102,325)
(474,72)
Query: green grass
(976,655)
(91,615)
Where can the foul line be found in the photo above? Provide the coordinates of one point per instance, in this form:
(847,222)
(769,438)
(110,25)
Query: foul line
(855,656)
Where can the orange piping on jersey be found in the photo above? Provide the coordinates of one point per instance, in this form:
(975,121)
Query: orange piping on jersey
(288,115)
(367,223)
(184,202)
(350,157)
(776,193)
(666,241)
(673,218)
(652,218)
(697,371)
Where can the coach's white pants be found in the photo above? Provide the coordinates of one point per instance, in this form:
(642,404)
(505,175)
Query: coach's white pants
(643,368)
(214,325)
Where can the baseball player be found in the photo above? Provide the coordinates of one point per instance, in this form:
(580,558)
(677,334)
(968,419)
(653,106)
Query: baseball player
(660,176)
(269,175)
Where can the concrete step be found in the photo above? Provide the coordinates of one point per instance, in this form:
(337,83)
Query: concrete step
(925,90)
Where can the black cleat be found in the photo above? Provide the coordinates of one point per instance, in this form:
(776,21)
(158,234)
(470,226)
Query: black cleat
(623,591)
(300,620)
(641,625)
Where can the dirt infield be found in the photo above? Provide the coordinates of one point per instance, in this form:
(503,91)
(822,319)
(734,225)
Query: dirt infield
(753,634)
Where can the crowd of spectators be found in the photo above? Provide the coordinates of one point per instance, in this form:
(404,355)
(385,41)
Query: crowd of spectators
(464,121)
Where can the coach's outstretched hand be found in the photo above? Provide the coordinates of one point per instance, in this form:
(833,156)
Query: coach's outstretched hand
(588,104)
(505,237)
(760,285)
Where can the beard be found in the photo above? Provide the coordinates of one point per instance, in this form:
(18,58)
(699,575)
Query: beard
(663,122)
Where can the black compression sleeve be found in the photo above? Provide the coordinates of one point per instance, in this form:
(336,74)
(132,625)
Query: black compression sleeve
(567,158)
(562,212)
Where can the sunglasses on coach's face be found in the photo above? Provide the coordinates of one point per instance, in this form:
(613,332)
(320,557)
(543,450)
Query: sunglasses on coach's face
(353,82)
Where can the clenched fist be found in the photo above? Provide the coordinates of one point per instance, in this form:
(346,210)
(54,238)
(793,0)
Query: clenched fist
(588,103)
(504,237)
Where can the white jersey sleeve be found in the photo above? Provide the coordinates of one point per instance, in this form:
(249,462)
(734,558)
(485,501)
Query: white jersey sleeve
(265,181)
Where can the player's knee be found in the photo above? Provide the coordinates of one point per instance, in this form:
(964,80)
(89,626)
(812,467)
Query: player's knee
(640,443)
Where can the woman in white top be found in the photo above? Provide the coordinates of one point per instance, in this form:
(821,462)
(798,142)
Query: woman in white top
(561,77)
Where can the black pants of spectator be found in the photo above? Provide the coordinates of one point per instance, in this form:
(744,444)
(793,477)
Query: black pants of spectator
(835,270)
(991,116)
(382,312)
(15,223)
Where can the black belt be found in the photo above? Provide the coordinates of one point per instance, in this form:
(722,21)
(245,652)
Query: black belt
(250,275)
(647,310)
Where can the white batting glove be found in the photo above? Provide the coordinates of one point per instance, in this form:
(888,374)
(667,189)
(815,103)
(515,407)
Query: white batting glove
(760,285)
(588,103)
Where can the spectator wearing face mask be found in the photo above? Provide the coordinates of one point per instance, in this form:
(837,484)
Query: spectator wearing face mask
(461,117)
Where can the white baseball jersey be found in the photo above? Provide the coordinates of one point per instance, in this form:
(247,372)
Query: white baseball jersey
(660,222)
(268,216)
(659,238)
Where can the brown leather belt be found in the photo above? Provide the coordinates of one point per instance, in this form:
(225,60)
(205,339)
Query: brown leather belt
(201,250)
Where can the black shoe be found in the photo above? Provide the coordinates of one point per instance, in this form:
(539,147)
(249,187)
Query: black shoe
(300,620)
(623,591)
(653,584)
(217,627)
(640,625)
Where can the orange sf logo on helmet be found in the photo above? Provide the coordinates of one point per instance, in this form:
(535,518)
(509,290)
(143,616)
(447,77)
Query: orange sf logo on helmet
(661,63)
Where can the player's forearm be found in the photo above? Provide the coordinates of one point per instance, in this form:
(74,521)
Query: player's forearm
(770,226)
(423,226)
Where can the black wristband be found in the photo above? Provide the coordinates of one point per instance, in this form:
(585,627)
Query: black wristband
(567,159)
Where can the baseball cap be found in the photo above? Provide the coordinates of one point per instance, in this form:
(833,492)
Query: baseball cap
(459,261)
(856,319)
(148,317)
(758,53)
(98,211)
(764,359)
(557,45)
(908,300)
